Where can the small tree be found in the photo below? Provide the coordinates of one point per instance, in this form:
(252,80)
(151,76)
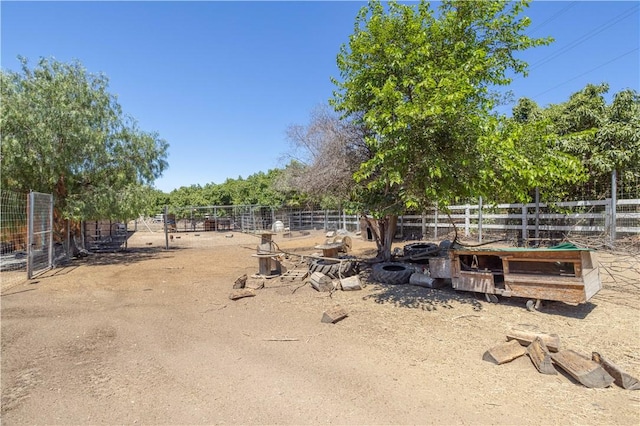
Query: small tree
(327,152)
(423,85)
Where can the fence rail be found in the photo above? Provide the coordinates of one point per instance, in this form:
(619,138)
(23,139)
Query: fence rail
(525,224)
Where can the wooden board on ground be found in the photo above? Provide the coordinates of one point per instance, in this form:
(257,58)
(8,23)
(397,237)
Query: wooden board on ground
(351,283)
(321,282)
(295,274)
(584,370)
(620,377)
(240,282)
(552,341)
(504,352)
(240,293)
(540,357)
(334,315)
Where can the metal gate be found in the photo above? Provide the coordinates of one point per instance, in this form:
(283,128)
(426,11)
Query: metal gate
(40,234)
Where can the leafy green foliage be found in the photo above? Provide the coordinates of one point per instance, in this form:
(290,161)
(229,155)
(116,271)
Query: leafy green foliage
(602,137)
(64,133)
(424,85)
(259,188)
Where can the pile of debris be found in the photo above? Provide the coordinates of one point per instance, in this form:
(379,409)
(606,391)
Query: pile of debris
(545,354)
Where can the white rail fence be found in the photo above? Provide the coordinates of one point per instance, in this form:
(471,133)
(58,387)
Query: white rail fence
(528,223)
(525,224)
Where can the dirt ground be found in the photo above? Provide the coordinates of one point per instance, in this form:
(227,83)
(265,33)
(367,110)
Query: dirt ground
(150,336)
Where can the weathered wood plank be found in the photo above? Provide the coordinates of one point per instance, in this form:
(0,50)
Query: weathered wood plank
(620,377)
(240,282)
(540,357)
(551,341)
(584,370)
(351,283)
(240,293)
(294,274)
(504,352)
(592,283)
(321,282)
(334,315)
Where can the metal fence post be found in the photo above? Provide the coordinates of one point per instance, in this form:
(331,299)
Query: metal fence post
(480,219)
(51,231)
(435,220)
(614,202)
(467,220)
(537,231)
(30,214)
(607,216)
(525,222)
(166,227)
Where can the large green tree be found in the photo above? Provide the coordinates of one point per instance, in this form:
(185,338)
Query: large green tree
(605,137)
(64,133)
(424,83)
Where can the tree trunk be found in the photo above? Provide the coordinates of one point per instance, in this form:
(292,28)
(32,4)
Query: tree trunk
(387,233)
(383,231)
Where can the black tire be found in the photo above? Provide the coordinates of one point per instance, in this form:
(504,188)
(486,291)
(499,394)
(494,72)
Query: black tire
(445,246)
(421,252)
(332,268)
(392,272)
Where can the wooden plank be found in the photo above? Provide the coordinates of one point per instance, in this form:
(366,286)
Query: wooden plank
(240,293)
(240,282)
(351,283)
(334,315)
(321,282)
(534,255)
(592,283)
(480,282)
(525,338)
(584,370)
(549,280)
(540,357)
(620,377)
(562,289)
(588,260)
(295,274)
(440,267)
(504,352)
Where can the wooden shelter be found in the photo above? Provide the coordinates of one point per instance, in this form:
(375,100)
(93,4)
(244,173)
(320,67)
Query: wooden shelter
(564,273)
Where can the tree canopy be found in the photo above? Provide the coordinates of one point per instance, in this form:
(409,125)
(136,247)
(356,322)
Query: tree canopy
(64,133)
(425,84)
(603,137)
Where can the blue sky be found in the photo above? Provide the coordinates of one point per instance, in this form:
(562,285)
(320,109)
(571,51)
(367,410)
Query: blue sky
(222,81)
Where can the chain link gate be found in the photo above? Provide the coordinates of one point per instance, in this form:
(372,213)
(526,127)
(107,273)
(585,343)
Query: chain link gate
(40,234)
(13,238)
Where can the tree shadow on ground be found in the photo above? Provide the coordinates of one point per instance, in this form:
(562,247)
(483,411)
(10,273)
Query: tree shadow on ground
(427,299)
(124,257)
(431,299)
(580,311)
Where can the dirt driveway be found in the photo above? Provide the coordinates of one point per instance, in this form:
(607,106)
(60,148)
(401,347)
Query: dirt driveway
(151,337)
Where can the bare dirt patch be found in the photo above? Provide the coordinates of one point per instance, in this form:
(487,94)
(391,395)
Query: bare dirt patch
(150,336)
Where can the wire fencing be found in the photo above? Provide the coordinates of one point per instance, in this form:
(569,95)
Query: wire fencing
(40,234)
(13,238)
